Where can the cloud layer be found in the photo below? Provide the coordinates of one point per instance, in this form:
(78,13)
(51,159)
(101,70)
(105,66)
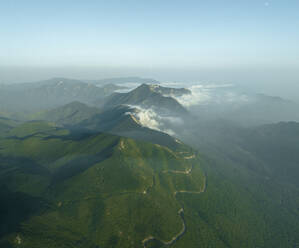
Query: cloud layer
(204,94)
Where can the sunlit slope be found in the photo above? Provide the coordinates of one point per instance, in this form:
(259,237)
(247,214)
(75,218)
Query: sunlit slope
(64,189)
(69,114)
(94,190)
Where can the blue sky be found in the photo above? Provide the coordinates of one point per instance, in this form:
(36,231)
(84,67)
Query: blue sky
(150,33)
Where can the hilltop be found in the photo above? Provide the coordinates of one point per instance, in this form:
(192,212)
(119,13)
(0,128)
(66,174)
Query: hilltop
(149,96)
(69,114)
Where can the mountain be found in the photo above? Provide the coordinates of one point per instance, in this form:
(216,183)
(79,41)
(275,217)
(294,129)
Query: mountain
(69,114)
(50,94)
(264,109)
(6,125)
(269,150)
(108,89)
(93,190)
(148,96)
(121,120)
(81,189)
(177,92)
(123,80)
(30,128)
(243,108)
(277,146)
(94,178)
(257,165)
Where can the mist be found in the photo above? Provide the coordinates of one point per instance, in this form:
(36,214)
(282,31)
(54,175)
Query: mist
(149,124)
(283,82)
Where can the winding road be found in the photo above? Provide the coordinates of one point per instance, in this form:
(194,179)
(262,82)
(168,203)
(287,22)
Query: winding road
(180,212)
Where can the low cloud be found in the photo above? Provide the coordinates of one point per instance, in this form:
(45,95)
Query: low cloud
(204,94)
(199,95)
(151,119)
(129,87)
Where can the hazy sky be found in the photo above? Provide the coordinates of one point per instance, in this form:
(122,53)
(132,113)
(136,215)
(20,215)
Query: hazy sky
(150,33)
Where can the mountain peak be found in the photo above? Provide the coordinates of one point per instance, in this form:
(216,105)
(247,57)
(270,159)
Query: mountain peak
(152,96)
(144,90)
(163,90)
(144,87)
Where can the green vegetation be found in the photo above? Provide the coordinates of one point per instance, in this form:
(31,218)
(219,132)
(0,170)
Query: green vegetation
(118,121)
(6,125)
(90,190)
(252,194)
(65,188)
(69,114)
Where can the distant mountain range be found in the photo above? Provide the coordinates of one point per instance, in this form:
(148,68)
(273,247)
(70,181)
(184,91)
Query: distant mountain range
(123,80)
(50,94)
(244,108)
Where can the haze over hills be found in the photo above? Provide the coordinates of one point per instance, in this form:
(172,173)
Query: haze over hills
(149,124)
(208,102)
(153,167)
(50,94)
(250,109)
(124,80)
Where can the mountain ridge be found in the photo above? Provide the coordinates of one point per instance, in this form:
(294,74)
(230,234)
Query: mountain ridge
(145,96)
(120,172)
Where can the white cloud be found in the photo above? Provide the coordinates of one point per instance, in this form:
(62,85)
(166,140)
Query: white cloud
(198,96)
(151,119)
(172,84)
(203,94)
(129,86)
(148,118)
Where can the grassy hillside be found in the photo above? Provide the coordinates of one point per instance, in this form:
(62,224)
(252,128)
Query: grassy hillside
(6,125)
(69,114)
(93,190)
(66,189)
